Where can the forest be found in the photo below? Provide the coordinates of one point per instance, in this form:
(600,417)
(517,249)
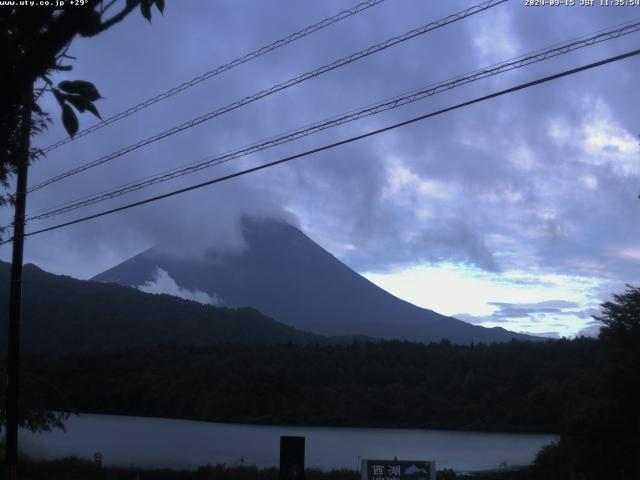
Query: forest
(517,386)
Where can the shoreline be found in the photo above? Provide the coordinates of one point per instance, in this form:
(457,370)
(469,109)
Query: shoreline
(381,426)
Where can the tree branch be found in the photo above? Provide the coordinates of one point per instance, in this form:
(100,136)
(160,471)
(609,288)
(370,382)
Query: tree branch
(107,6)
(105,25)
(42,54)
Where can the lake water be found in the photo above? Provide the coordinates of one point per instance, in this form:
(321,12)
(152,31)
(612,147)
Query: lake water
(159,442)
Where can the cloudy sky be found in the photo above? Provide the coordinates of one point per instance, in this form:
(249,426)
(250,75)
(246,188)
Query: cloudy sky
(521,211)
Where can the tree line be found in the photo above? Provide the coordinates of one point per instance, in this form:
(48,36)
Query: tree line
(517,386)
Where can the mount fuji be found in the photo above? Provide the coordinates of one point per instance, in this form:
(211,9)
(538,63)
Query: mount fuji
(287,276)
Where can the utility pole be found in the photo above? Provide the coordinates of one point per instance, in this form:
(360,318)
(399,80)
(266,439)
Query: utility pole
(15,299)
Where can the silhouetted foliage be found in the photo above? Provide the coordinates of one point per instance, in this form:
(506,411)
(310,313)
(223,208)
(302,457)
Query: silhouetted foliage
(34,41)
(75,469)
(35,413)
(601,437)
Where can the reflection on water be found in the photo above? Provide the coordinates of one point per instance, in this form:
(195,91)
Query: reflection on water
(159,442)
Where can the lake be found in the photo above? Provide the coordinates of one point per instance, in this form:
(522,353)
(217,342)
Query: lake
(160,442)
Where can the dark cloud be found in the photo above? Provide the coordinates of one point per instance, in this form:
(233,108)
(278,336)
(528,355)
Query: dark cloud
(523,310)
(531,313)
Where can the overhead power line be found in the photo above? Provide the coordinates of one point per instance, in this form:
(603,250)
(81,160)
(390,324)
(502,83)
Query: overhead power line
(389,104)
(521,86)
(276,88)
(218,70)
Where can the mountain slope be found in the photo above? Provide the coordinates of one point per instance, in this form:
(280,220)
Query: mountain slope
(63,314)
(286,275)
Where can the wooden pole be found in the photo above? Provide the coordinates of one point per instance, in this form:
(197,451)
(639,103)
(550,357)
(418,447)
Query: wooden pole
(15,299)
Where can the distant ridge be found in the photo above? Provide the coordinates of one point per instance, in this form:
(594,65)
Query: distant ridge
(64,315)
(286,275)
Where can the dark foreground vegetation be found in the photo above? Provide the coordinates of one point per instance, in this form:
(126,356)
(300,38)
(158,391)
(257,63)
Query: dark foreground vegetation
(75,469)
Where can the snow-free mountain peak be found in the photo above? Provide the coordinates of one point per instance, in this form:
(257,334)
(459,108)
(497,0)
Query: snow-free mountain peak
(286,275)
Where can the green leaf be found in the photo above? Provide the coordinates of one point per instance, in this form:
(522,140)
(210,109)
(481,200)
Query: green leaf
(160,5)
(83,88)
(69,120)
(145,8)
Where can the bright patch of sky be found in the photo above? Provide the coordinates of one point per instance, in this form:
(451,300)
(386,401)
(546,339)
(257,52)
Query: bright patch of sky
(537,303)
(601,139)
(631,253)
(494,40)
(402,181)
